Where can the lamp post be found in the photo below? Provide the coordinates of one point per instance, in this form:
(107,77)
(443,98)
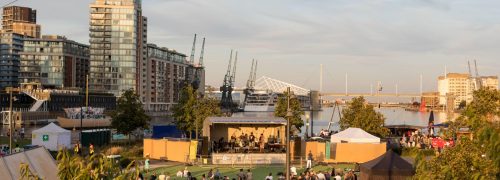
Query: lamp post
(289,114)
(10,122)
(306,135)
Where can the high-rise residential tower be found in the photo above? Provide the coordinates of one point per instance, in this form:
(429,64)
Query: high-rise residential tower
(20,20)
(117,46)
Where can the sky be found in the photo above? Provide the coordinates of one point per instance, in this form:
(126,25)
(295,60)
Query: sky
(391,41)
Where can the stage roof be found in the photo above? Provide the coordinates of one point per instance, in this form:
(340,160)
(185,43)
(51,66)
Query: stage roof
(246,120)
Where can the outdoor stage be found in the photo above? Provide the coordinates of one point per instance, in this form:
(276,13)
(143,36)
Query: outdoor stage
(245,140)
(248,158)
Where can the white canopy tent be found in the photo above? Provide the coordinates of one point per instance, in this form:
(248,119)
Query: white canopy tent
(354,135)
(51,137)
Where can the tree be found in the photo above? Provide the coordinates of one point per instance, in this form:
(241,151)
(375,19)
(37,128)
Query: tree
(183,112)
(359,114)
(475,158)
(204,108)
(462,104)
(129,114)
(295,107)
(191,111)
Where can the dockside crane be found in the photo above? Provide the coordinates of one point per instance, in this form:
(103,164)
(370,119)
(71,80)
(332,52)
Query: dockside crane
(226,88)
(200,62)
(199,68)
(233,75)
(191,58)
(478,78)
(251,80)
(476,87)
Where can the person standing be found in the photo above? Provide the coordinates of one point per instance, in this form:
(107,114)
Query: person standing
(22,132)
(261,143)
(309,160)
(146,164)
(91,149)
(76,149)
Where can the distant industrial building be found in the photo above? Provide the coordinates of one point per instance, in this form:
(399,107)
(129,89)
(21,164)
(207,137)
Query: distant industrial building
(461,87)
(54,61)
(20,20)
(489,82)
(431,99)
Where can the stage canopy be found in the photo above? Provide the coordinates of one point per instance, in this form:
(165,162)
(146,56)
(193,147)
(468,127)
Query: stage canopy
(387,166)
(354,135)
(223,127)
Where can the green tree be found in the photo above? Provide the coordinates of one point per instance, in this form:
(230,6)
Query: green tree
(192,110)
(462,104)
(295,107)
(470,159)
(359,114)
(184,111)
(129,114)
(204,108)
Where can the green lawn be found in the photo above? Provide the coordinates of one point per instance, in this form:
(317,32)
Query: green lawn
(259,172)
(21,142)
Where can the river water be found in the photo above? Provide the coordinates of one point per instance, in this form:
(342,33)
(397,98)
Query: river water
(393,115)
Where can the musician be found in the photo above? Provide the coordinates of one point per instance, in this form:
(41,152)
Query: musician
(252,139)
(232,142)
(261,142)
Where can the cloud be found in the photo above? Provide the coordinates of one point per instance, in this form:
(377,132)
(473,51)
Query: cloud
(390,41)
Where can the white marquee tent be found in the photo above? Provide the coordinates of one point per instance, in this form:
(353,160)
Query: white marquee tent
(52,137)
(354,135)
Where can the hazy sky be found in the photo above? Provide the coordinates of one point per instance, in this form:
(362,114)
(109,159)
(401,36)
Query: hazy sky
(370,40)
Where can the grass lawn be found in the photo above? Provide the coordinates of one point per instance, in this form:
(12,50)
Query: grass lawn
(259,172)
(21,142)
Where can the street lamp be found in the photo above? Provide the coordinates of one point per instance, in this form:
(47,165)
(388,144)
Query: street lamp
(10,120)
(289,114)
(307,126)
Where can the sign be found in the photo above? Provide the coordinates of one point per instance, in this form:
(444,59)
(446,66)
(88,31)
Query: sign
(45,137)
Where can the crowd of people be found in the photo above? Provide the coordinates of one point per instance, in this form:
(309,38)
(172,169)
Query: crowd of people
(308,174)
(424,141)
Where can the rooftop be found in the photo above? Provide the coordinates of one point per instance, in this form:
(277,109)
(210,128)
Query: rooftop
(246,120)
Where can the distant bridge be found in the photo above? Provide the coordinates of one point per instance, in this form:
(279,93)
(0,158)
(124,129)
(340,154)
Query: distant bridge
(408,95)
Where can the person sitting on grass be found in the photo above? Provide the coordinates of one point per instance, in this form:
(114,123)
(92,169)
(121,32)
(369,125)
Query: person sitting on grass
(249,175)
(269,177)
(153,176)
(179,174)
(185,174)
(210,174)
(242,175)
(217,174)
